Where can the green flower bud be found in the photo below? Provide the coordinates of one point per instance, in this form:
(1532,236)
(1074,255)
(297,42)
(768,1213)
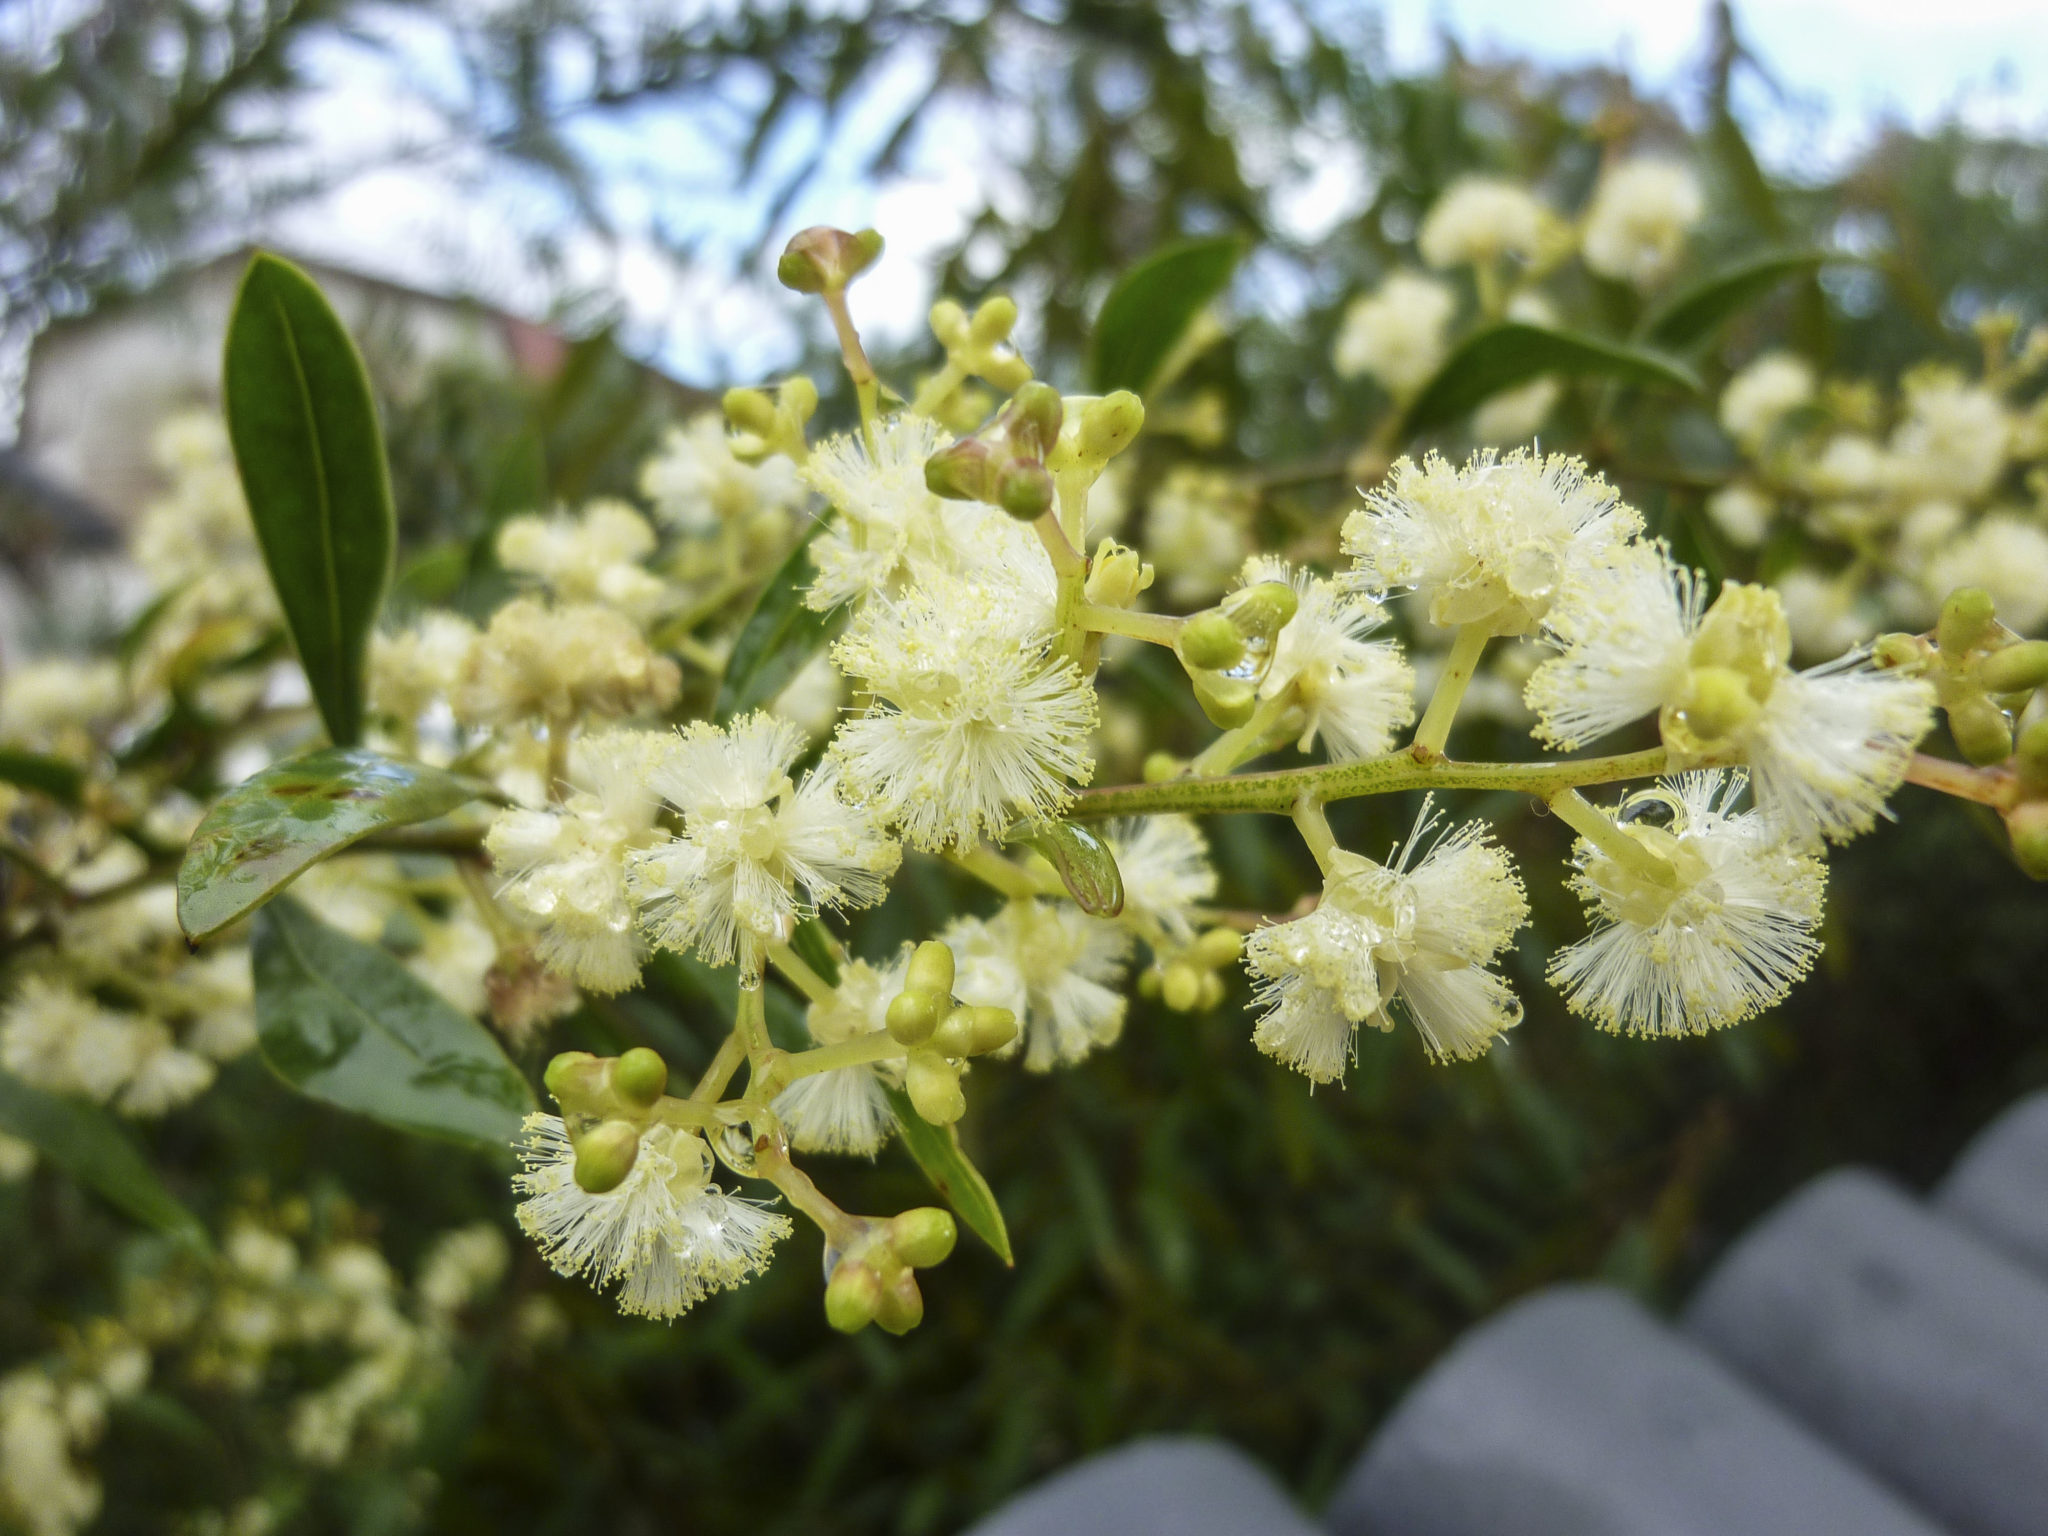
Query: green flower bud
(1212,991)
(902,1304)
(2017,668)
(1210,641)
(993,320)
(1219,946)
(994,1028)
(640,1077)
(2028,825)
(1982,731)
(570,1067)
(1006,371)
(822,260)
(1262,610)
(955,1034)
(1024,489)
(852,1297)
(605,1155)
(1034,418)
(1227,701)
(1118,575)
(1181,987)
(575,1080)
(965,471)
(1966,618)
(930,970)
(934,1088)
(923,1237)
(1148,982)
(949,324)
(750,410)
(1161,766)
(799,396)
(1108,425)
(1894,651)
(2031,756)
(912,1016)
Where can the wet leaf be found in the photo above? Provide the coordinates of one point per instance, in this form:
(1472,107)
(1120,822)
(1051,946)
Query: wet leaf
(306,440)
(780,635)
(958,1181)
(87,1143)
(1153,306)
(267,831)
(1086,866)
(344,1022)
(1501,357)
(1692,317)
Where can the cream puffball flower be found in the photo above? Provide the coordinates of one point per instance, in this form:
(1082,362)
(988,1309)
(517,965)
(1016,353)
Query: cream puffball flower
(1722,940)
(1053,966)
(1494,543)
(1480,219)
(566,869)
(757,853)
(562,664)
(1198,530)
(845,1109)
(1396,332)
(1825,747)
(667,1236)
(885,510)
(1382,934)
(1164,862)
(1954,438)
(1640,215)
(1352,692)
(695,484)
(1763,394)
(2006,556)
(974,725)
(416,668)
(591,557)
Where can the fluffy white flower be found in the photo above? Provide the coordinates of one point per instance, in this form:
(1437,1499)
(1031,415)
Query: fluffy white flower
(1742,513)
(1825,748)
(845,1110)
(1724,941)
(1396,332)
(1053,966)
(1480,219)
(566,869)
(973,726)
(1493,543)
(1763,394)
(1640,215)
(164,1076)
(1422,936)
(46,702)
(1953,440)
(1164,862)
(592,557)
(1826,614)
(57,1038)
(695,484)
(2008,558)
(757,853)
(811,700)
(1849,465)
(47,1492)
(1198,530)
(561,664)
(416,668)
(667,1236)
(1352,692)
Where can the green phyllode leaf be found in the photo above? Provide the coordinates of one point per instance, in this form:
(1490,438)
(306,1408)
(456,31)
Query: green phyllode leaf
(958,1181)
(271,828)
(306,441)
(1693,316)
(87,1143)
(344,1022)
(1152,308)
(780,635)
(1512,353)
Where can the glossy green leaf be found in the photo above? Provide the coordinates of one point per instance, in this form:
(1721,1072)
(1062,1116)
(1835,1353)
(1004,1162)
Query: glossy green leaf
(1086,866)
(1692,317)
(51,776)
(269,829)
(1152,307)
(304,429)
(780,635)
(344,1022)
(1503,356)
(958,1181)
(87,1143)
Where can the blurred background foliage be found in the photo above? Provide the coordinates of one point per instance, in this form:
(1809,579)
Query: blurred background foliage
(1203,1244)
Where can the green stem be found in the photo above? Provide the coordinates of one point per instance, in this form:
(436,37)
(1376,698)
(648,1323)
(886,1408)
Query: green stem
(806,980)
(1459,668)
(995,871)
(933,393)
(1597,828)
(858,368)
(750,1021)
(1314,827)
(772,1164)
(1276,793)
(716,1076)
(1243,742)
(1153,628)
(687,1113)
(1070,575)
(878,1045)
